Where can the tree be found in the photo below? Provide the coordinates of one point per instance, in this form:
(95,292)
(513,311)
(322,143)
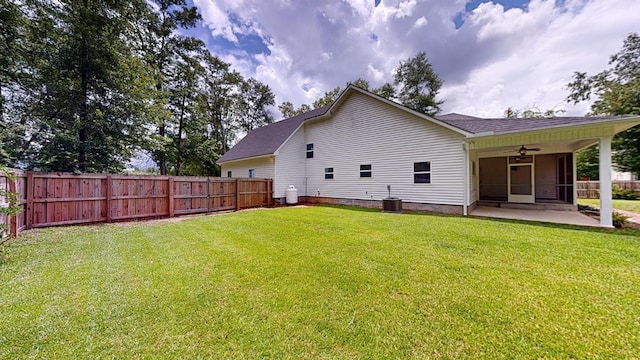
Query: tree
(386,91)
(512,113)
(328,98)
(253,102)
(360,83)
(86,97)
(159,44)
(616,92)
(587,163)
(9,207)
(420,85)
(288,110)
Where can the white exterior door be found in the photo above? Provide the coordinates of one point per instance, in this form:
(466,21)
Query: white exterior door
(521,183)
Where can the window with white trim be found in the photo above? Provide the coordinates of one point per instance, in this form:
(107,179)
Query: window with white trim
(229,173)
(422,172)
(328,173)
(309,151)
(366,171)
(252,173)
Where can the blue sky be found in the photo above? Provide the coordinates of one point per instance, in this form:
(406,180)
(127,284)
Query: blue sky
(491,55)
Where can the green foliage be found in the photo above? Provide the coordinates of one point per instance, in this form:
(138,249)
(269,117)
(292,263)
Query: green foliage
(623,194)
(328,98)
(588,163)
(619,220)
(85,85)
(616,92)
(321,282)
(386,91)
(534,112)
(8,204)
(420,85)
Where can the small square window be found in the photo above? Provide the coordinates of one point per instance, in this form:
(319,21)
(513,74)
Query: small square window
(252,173)
(229,173)
(328,173)
(309,151)
(422,172)
(365,171)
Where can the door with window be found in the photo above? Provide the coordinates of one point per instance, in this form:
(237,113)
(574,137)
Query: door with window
(521,179)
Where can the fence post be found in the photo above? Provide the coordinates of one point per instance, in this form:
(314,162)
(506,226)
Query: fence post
(208,195)
(269,190)
(171,200)
(29,188)
(237,194)
(109,194)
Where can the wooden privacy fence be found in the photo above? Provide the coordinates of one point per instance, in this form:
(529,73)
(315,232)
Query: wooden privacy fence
(591,189)
(52,199)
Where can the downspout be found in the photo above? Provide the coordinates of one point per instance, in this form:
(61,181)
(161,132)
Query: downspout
(465,148)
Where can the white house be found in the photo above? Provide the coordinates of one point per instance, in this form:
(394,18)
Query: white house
(351,151)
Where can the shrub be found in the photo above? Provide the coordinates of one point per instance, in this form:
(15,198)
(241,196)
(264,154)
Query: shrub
(619,220)
(10,208)
(623,194)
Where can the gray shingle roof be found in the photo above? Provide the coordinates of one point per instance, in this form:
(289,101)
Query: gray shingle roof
(267,139)
(507,125)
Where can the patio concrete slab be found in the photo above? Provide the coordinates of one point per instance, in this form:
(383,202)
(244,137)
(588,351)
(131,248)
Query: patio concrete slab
(552,216)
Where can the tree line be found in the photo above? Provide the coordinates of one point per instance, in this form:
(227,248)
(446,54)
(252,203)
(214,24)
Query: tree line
(87,84)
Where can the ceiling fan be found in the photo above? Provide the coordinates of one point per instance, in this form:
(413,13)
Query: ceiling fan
(522,151)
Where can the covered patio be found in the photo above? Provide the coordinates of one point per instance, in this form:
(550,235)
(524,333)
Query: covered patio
(532,162)
(551,216)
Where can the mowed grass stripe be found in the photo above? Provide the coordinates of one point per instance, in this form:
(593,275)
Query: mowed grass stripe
(321,282)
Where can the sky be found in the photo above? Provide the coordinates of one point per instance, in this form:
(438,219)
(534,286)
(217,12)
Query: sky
(491,55)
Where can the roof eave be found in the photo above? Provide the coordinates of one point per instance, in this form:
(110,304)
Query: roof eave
(245,158)
(484,134)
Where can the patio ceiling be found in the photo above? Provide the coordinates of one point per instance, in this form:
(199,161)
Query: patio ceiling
(554,140)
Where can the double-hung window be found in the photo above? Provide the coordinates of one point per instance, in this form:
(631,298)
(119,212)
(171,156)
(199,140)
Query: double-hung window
(328,173)
(309,151)
(422,172)
(365,171)
(252,173)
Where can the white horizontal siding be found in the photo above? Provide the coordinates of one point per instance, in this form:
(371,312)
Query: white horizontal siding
(366,131)
(264,168)
(289,167)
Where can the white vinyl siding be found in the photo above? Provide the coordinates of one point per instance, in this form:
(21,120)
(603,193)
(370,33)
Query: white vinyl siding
(367,131)
(289,168)
(263,168)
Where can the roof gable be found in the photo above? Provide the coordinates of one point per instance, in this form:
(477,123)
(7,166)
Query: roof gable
(267,139)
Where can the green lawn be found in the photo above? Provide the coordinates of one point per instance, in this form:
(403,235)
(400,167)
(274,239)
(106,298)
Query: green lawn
(628,205)
(321,282)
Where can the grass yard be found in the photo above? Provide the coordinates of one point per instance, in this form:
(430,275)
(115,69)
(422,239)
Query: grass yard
(628,205)
(321,282)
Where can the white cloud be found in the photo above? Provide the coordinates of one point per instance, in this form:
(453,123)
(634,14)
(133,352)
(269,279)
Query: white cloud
(422,21)
(497,59)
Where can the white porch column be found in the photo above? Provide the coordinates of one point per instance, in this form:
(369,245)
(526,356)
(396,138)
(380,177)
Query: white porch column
(606,206)
(465,206)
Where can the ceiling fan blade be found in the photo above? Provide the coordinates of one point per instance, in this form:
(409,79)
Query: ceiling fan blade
(534,149)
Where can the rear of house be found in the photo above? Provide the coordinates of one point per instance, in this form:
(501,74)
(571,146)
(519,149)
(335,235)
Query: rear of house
(356,149)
